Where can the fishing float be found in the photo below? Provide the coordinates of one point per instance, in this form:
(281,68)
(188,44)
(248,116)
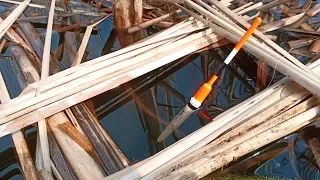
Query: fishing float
(202,93)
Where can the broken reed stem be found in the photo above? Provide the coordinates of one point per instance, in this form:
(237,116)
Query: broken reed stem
(6,24)
(42,125)
(120,64)
(20,144)
(136,49)
(2,44)
(47,44)
(272,4)
(280,23)
(85,41)
(56,8)
(181,49)
(200,167)
(74,26)
(269,42)
(255,6)
(77,149)
(17,39)
(263,52)
(37,18)
(152,22)
(55,171)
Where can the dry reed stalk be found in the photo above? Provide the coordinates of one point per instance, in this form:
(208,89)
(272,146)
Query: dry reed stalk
(126,53)
(294,44)
(85,41)
(255,6)
(197,167)
(261,50)
(164,24)
(152,22)
(314,10)
(242,7)
(81,169)
(126,75)
(273,45)
(2,44)
(280,23)
(6,24)
(42,125)
(262,71)
(85,167)
(20,144)
(315,47)
(278,112)
(16,38)
(55,171)
(158,160)
(268,6)
(56,8)
(120,65)
(73,120)
(37,18)
(81,24)
(261,101)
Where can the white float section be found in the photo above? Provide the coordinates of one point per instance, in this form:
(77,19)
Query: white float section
(231,56)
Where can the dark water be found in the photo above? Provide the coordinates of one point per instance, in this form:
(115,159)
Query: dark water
(136,121)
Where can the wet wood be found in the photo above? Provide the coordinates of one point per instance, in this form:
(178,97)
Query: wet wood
(85,167)
(101,144)
(262,74)
(127,14)
(59,159)
(56,172)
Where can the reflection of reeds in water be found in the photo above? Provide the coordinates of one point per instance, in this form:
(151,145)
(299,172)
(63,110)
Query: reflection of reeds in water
(296,162)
